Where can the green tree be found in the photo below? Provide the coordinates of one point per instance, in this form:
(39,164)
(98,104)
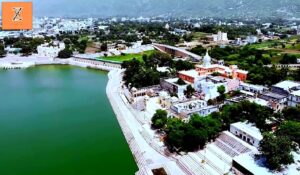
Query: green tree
(159,119)
(175,134)
(221,91)
(290,129)
(161,59)
(146,40)
(211,126)
(193,135)
(276,151)
(104,47)
(189,92)
(2,51)
(183,65)
(288,59)
(66,53)
(193,138)
(26,50)
(246,110)
(296,75)
(67,41)
(188,37)
(291,113)
(180,82)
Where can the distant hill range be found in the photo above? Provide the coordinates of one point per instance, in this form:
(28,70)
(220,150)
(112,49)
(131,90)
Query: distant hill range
(214,8)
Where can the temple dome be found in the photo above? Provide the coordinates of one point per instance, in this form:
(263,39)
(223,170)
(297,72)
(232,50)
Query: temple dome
(206,60)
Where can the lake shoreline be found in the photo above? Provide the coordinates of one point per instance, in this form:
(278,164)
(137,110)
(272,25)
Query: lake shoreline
(146,157)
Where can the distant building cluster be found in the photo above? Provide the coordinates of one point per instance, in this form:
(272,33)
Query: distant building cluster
(51,27)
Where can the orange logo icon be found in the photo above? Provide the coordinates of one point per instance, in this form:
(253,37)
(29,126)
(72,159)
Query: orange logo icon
(16,15)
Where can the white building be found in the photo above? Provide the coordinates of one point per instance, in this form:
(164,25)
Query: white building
(167,26)
(251,39)
(285,87)
(208,87)
(165,100)
(247,132)
(294,99)
(252,88)
(50,51)
(172,86)
(220,36)
(188,108)
(248,164)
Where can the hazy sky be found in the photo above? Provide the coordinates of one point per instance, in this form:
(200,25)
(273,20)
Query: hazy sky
(105,8)
(88,7)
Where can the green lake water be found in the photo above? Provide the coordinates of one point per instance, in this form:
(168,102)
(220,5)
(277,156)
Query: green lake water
(57,120)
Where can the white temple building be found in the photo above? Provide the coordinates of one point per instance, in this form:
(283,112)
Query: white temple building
(51,51)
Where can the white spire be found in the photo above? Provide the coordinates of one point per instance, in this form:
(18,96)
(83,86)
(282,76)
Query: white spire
(207,60)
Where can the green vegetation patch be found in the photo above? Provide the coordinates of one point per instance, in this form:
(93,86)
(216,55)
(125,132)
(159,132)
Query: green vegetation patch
(128,57)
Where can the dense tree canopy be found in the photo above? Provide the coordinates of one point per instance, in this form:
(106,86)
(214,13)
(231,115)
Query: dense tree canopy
(233,31)
(276,150)
(199,50)
(296,75)
(160,59)
(26,50)
(291,113)
(193,135)
(189,92)
(245,111)
(245,57)
(75,42)
(289,59)
(28,45)
(221,91)
(266,75)
(140,74)
(103,47)
(66,53)
(146,40)
(2,51)
(290,129)
(159,119)
(180,82)
(183,65)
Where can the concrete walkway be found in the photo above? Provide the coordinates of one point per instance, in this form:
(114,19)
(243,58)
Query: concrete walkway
(145,156)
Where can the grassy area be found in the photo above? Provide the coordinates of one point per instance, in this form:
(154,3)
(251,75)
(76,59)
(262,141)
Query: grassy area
(275,48)
(263,45)
(289,44)
(127,57)
(199,35)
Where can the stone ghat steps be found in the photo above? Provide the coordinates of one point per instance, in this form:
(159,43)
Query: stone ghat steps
(219,153)
(196,164)
(230,145)
(234,142)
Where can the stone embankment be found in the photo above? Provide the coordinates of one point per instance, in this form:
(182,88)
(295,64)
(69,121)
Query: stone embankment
(22,63)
